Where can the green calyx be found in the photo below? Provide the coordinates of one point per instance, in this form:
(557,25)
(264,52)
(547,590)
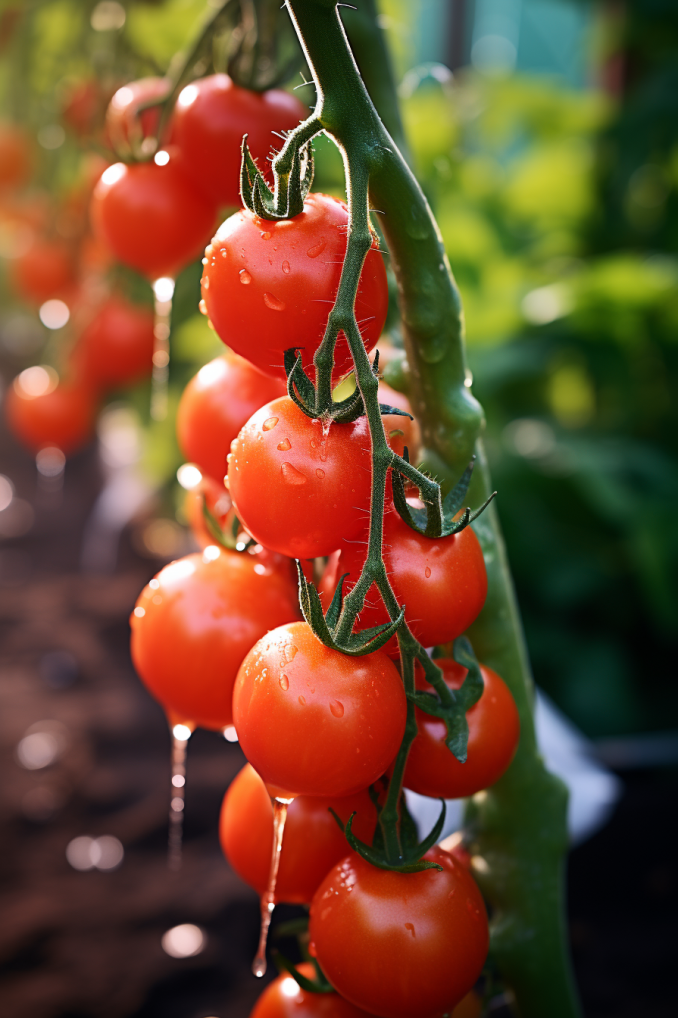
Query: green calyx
(410,858)
(318,985)
(290,190)
(438,518)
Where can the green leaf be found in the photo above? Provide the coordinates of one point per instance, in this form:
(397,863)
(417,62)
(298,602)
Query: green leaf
(299,383)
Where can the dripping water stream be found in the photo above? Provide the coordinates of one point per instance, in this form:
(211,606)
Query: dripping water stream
(181,733)
(163,291)
(267,900)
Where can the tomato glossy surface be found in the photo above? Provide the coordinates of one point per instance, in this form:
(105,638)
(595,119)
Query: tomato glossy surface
(124,122)
(210,118)
(116,347)
(62,417)
(194,623)
(314,721)
(494,730)
(150,216)
(270,285)
(312,841)
(46,270)
(284,998)
(216,404)
(400,945)
(15,156)
(296,488)
(441,581)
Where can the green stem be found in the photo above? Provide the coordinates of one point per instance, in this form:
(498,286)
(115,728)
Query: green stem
(518,825)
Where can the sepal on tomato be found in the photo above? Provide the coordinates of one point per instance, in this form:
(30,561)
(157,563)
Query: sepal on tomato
(438,518)
(411,860)
(288,199)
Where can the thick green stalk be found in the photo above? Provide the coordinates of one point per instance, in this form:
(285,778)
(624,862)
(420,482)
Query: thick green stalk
(519,825)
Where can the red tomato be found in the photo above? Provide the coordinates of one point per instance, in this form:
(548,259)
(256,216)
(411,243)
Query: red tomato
(411,432)
(210,118)
(441,581)
(60,415)
(82,106)
(401,945)
(312,842)
(218,502)
(45,270)
(296,488)
(195,621)
(494,730)
(314,721)
(284,998)
(123,121)
(116,348)
(216,404)
(270,285)
(150,216)
(15,156)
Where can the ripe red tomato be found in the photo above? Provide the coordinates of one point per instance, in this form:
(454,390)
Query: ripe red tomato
(15,156)
(401,945)
(45,270)
(284,998)
(123,121)
(116,347)
(210,118)
(441,581)
(150,216)
(195,621)
(296,488)
(411,432)
(216,404)
(313,721)
(494,730)
(270,285)
(312,842)
(61,415)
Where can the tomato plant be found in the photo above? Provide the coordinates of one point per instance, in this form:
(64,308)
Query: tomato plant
(215,405)
(284,998)
(494,729)
(194,623)
(312,845)
(125,121)
(150,215)
(45,270)
(116,347)
(269,285)
(210,118)
(60,414)
(313,721)
(400,944)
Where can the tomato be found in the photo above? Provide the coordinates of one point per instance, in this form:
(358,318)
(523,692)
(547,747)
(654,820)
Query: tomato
(441,581)
(45,270)
(296,488)
(194,623)
(116,347)
(210,118)
(411,432)
(401,945)
(218,502)
(312,842)
(494,730)
(54,414)
(123,121)
(284,998)
(82,106)
(313,721)
(15,156)
(270,285)
(150,216)
(215,405)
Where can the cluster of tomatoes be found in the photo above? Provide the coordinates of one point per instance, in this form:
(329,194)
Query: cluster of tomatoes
(218,639)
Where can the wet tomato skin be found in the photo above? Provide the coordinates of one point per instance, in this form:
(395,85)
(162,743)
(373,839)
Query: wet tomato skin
(494,730)
(215,405)
(280,999)
(194,623)
(270,285)
(313,721)
(210,118)
(316,483)
(400,945)
(312,842)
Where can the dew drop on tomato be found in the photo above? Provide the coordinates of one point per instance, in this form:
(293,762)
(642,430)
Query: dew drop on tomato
(273,302)
(427,572)
(244,276)
(284,445)
(317,249)
(320,473)
(286,267)
(284,683)
(291,475)
(337,708)
(269,423)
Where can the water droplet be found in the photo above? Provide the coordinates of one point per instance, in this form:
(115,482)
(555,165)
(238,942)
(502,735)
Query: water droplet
(208,250)
(245,276)
(267,900)
(427,572)
(273,302)
(317,249)
(269,423)
(286,267)
(202,307)
(302,700)
(284,683)
(223,253)
(291,475)
(320,473)
(266,235)
(410,927)
(206,283)
(284,445)
(337,708)
(290,652)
